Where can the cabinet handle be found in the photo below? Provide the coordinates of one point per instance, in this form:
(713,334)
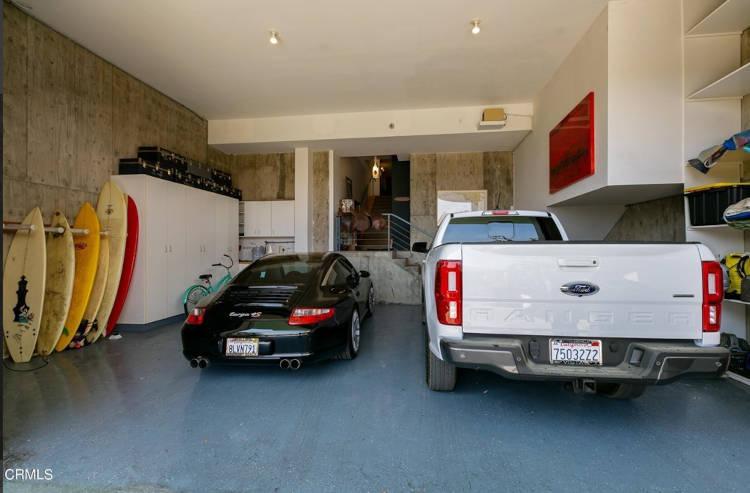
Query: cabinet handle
(170,248)
(165,248)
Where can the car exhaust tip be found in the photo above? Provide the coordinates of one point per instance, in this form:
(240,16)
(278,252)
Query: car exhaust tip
(202,362)
(284,364)
(295,364)
(194,363)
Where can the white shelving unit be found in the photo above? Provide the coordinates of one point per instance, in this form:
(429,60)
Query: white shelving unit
(731,17)
(714,84)
(733,85)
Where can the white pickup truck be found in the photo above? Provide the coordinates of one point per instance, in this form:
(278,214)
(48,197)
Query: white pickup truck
(506,291)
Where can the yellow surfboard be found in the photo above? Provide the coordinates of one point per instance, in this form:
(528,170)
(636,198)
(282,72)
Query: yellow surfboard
(97,292)
(86,261)
(112,210)
(59,285)
(24,277)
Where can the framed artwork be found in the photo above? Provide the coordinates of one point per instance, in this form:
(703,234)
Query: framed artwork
(460,201)
(571,146)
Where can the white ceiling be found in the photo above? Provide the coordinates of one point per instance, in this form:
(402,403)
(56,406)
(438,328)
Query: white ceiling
(334,55)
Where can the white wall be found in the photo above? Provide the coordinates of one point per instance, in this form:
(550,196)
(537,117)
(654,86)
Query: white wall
(353,168)
(583,71)
(644,92)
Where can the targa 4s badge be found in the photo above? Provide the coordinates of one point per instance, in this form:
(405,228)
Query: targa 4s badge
(245,314)
(579,288)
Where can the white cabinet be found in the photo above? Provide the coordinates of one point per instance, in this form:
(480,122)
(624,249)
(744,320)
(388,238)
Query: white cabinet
(257,218)
(282,218)
(182,231)
(268,219)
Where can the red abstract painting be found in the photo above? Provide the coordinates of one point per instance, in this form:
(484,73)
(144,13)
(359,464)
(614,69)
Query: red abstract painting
(571,146)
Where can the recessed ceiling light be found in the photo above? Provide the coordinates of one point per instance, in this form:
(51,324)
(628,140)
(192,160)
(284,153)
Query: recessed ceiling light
(475,26)
(274,39)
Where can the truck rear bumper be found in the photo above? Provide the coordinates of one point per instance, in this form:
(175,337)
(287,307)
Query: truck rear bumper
(643,361)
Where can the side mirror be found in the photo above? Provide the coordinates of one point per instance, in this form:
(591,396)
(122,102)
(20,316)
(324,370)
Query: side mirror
(352,281)
(364,274)
(419,247)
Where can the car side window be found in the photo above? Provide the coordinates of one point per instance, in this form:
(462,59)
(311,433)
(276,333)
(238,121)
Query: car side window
(336,275)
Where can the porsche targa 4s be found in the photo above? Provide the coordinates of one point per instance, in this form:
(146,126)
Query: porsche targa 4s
(284,310)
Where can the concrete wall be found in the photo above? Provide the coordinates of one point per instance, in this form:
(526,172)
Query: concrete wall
(264,176)
(655,220)
(320,202)
(457,171)
(393,280)
(68,116)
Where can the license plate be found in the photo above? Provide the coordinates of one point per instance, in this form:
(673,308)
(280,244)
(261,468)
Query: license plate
(242,347)
(575,351)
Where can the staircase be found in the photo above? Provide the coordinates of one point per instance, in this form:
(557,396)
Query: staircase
(372,239)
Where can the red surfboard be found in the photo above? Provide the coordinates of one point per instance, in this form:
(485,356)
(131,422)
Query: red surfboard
(128,265)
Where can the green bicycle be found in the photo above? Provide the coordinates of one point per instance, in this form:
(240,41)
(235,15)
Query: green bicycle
(197,291)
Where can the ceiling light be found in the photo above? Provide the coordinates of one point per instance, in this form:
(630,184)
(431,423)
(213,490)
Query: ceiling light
(475,26)
(274,39)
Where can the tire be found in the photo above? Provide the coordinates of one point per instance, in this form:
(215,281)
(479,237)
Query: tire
(353,338)
(370,301)
(440,375)
(192,297)
(621,390)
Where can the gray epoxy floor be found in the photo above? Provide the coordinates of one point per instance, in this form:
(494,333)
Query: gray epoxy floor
(131,415)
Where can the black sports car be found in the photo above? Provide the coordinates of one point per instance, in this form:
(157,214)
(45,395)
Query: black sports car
(282,309)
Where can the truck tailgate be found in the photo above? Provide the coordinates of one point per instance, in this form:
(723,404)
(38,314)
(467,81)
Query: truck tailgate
(651,290)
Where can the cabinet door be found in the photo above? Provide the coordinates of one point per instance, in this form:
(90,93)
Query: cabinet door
(282,218)
(208,229)
(221,224)
(233,241)
(157,250)
(194,236)
(261,218)
(175,219)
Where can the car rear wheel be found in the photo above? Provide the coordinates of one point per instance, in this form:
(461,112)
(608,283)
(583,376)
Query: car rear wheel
(440,375)
(621,390)
(352,339)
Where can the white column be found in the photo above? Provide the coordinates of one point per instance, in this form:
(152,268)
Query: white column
(303,162)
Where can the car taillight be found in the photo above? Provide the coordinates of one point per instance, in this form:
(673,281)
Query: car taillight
(713,294)
(306,316)
(196,316)
(448,292)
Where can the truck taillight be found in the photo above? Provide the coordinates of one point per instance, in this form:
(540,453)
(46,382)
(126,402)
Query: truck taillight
(713,294)
(448,292)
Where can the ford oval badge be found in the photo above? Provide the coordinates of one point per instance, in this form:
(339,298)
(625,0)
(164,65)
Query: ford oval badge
(579,288)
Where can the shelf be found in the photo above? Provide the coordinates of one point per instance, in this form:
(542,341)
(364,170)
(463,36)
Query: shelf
(733,85)
(737,301)
(710,226)
(732,16)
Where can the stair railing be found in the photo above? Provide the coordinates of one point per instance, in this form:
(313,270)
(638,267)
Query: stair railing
(399,232)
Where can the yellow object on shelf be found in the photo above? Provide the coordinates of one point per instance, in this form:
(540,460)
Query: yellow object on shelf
(493,115)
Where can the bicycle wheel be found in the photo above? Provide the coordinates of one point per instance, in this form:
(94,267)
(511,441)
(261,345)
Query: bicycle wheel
(193,296)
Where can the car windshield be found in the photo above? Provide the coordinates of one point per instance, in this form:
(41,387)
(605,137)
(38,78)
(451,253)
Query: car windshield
(278,270)
(483,229)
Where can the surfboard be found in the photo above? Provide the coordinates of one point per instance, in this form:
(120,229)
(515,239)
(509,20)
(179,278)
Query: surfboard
(24,277)
(97,293)
(86,262)
(128,265)
(112,210)
(58,289)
